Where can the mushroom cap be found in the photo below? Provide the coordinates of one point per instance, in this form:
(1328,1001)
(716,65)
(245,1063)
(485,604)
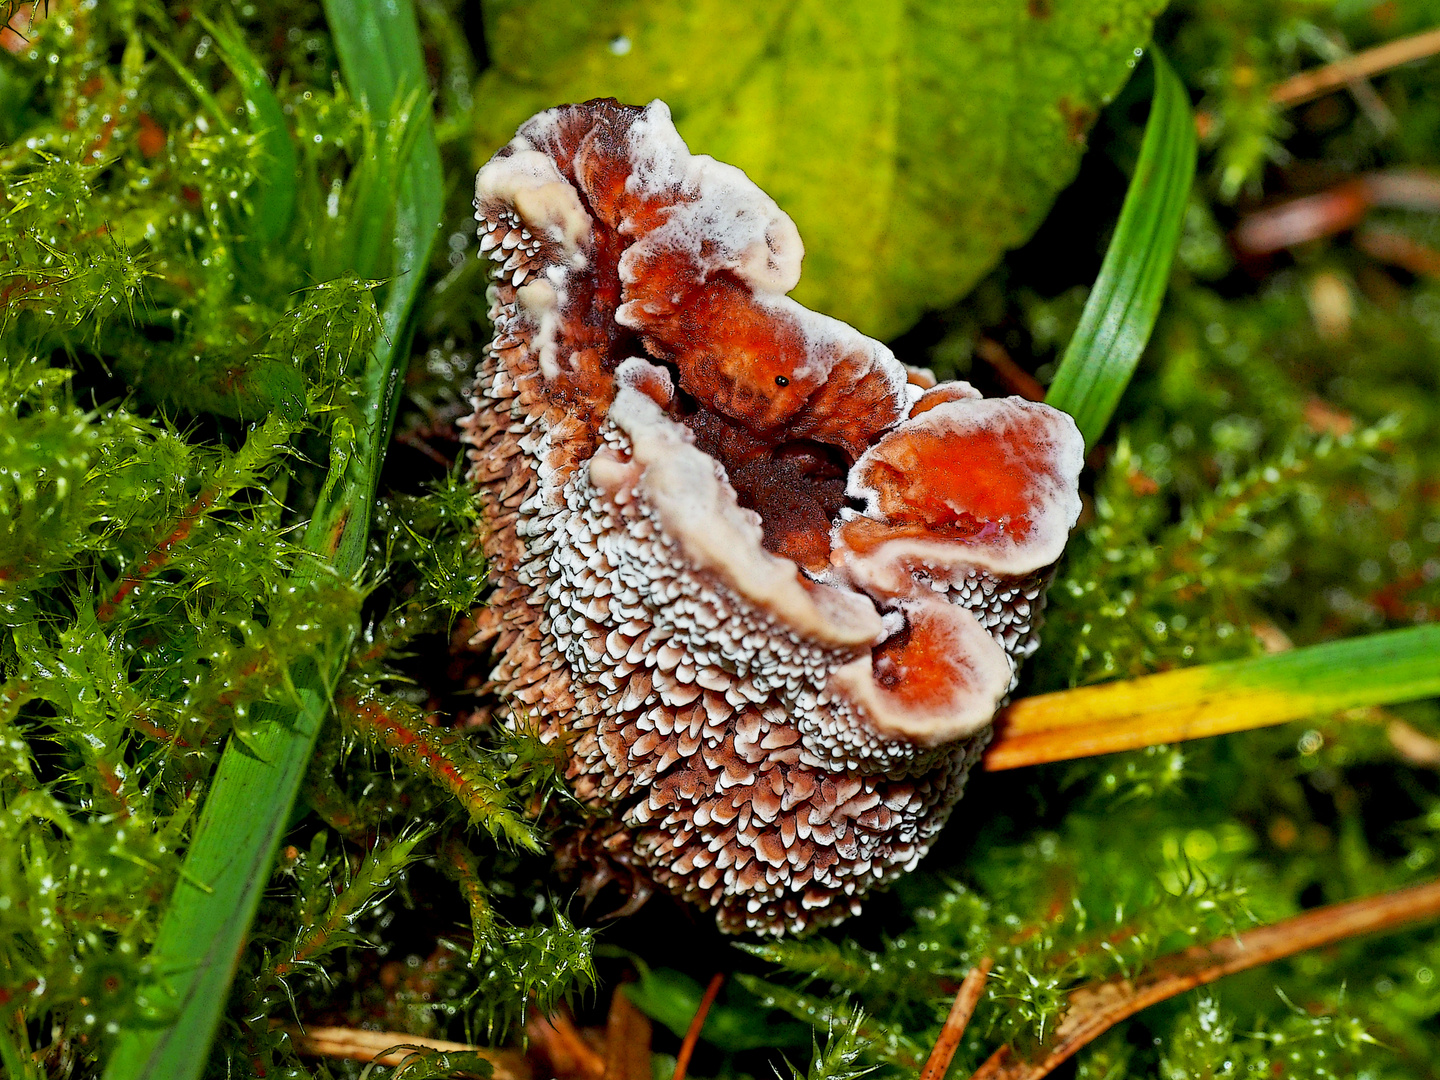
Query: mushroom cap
(766,584)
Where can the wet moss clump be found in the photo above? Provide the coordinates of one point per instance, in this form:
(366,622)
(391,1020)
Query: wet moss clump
(196,208)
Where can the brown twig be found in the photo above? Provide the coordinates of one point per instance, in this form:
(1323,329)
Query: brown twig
(1096,1008)
(393,1047)
(1311,84)
(697,1024)
(1335,210)
(1404,189)
(972,989)
(1298,221)
(1011,375)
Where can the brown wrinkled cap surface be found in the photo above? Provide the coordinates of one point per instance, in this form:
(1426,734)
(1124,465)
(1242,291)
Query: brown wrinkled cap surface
(767,586)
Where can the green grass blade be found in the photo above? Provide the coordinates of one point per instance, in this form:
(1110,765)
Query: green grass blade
(203,931)
(1377,669)
(15,1063)
(1215,699)
(274,204)
(1125,301)
(381,60)
(275,197)
(197,88)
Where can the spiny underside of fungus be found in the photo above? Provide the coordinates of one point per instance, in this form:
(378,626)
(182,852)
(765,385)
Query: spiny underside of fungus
(766,584)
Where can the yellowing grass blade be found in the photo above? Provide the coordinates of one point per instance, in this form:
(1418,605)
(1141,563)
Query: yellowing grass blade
(1214,699)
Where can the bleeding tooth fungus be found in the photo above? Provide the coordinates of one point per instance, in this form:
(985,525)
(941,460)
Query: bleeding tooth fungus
(767,584)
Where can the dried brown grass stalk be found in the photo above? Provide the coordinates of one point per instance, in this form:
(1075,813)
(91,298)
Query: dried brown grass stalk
(1168,707)
(972,989)
(697,1024)
(393,1047)
(1311,84)
(1095,1008)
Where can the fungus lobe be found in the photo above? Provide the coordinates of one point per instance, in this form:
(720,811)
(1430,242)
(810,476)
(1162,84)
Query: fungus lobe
(767,584)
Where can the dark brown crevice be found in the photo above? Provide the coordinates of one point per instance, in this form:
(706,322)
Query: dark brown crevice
(885,659)
(796,486)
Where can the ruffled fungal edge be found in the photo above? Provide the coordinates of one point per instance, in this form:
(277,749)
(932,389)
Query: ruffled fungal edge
(919,574)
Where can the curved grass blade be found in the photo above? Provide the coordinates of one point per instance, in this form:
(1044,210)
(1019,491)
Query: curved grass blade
(1121,311)
(274,205)
(275,197)
(1215,699)
(196,87)
(203,931)
(381,60)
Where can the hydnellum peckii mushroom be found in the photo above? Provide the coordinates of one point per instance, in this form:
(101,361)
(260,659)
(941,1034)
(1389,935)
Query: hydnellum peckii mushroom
(768,585)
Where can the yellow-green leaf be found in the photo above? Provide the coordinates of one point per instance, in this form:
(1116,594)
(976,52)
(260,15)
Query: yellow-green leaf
(913,143)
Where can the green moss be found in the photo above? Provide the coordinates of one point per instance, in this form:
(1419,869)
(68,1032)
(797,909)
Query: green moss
(186,303)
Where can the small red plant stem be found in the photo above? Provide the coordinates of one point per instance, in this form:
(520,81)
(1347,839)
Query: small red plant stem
(972,989)
(157,557)
(459,865)
(8,994)
(1335,210)
(311,944)
(1301,220)
(435,753)
(337,811)
(697,1023)
(14,695)
(114,787)
(142,723)
(421,744)
(1097,1007)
